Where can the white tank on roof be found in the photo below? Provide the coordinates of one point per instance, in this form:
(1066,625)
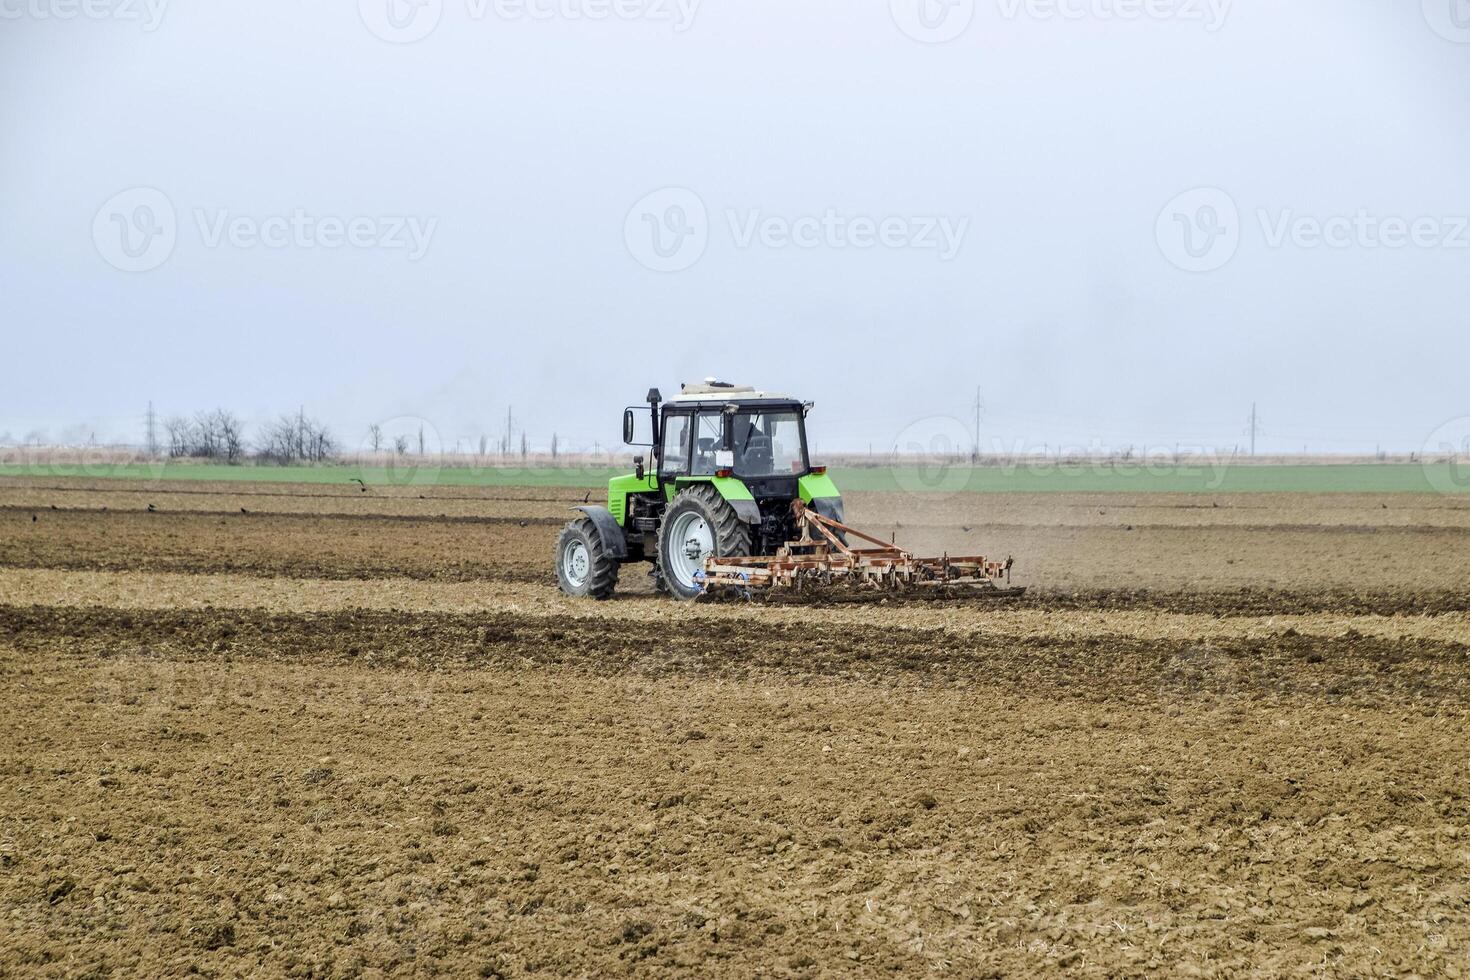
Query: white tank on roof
(715,391)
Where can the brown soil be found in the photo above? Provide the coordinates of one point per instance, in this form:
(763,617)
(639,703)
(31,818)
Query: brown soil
(293,545)
(411,755)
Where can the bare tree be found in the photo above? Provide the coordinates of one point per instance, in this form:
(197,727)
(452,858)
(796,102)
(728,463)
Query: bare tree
(553,447)
(180,435)
(421,439)
(208,440)
(400,445)
(375,436)
(296,438)
(277,441)
(229,435)
(322,446)
(523,447)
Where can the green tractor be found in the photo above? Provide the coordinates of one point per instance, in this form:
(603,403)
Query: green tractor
(728,464)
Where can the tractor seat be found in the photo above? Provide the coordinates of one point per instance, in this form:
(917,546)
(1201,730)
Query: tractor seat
(758,454)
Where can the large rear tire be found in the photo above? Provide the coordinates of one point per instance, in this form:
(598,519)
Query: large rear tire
(698,524)
(583,565)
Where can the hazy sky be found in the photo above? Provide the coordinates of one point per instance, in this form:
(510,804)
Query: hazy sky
(1124,219)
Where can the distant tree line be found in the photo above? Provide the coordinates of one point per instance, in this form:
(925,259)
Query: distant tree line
(220,436)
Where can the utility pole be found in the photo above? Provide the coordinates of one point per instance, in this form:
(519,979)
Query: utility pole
(152,431)
(505,451)
(975,456)
(1255,424)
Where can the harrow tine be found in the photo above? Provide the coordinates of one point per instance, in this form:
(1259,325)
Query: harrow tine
(820,559)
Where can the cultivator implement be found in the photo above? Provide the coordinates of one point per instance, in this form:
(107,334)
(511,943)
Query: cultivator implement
(822,563)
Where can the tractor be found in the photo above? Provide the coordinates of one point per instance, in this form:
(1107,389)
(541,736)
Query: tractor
(732,506)
(727,463)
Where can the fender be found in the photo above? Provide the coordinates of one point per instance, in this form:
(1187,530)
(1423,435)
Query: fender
(828,507)
(736,494)
(607,529)
(748,511)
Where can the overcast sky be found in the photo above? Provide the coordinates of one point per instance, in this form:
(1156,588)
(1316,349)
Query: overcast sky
(1125,220)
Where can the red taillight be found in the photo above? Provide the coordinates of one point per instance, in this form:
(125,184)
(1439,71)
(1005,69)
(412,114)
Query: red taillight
(724,474)
(819,471)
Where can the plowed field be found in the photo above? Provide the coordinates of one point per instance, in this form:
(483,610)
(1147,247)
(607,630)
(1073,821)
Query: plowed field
(313,731)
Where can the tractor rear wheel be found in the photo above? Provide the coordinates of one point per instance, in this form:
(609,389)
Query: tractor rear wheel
(698,524)
(583,565)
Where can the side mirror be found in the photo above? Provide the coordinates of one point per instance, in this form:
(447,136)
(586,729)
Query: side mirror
(638,467)
(628,426)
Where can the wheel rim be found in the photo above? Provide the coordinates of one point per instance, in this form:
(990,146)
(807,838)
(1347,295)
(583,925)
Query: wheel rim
(576,563)
(691,541)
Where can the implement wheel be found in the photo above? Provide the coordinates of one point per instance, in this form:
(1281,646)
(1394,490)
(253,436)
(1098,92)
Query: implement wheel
(698,524)
(583,566)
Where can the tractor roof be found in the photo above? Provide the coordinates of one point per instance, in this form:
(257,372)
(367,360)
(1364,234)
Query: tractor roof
(705,393)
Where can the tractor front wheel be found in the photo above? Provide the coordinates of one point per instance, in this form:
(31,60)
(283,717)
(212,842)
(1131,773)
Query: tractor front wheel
(698,524)
(583,566)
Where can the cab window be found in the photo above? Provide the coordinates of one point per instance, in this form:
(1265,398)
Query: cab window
(674,457)
(769,444)
(709,437)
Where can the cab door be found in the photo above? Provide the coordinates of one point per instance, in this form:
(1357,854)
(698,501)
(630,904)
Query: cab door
(674,453)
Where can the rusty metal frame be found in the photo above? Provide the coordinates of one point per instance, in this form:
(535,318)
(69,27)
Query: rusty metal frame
(820,558)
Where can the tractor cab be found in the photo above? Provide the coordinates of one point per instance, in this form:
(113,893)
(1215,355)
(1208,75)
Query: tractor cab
(732,431)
